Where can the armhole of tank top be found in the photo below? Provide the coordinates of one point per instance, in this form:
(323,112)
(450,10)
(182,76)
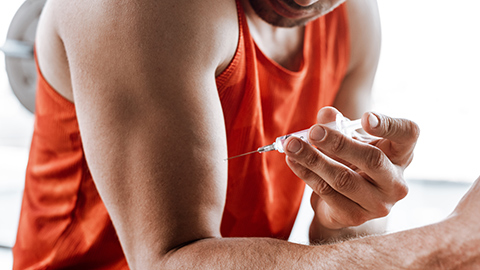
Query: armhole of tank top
(226,74)
(48,88)
(345,24)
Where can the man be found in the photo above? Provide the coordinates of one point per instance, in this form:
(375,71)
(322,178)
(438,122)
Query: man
(161,88)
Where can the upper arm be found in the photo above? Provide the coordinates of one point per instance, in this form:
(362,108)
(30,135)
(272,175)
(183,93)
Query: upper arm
(143,78)
(353,98)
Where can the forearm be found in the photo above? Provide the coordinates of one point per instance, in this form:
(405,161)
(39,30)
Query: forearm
(431,247)
(443,245)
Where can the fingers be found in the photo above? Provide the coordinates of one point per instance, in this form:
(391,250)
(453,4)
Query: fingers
(381,172)
(399,136)
(340,212)
(395,129)
(337,210)
(401,131)
(327,115)
(340,187)
(356,181)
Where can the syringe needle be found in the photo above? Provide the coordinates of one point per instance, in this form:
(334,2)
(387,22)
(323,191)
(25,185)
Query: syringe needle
(342,124)
(241,155)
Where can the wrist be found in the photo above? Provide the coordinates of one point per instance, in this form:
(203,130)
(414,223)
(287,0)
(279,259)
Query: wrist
(319,234)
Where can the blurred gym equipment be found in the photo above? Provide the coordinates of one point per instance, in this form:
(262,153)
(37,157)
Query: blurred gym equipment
(19,49)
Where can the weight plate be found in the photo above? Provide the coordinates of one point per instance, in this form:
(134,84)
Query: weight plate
(21,71)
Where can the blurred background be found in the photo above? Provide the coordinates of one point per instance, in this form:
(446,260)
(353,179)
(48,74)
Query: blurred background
(428,73)
(16,126)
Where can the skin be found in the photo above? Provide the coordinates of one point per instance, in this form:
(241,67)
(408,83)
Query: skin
(165,191)
(291,13)
(350,189)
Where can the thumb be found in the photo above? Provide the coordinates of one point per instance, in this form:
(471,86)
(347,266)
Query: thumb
(398,130)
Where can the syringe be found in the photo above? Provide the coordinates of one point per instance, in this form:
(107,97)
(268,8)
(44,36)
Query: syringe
(341,123)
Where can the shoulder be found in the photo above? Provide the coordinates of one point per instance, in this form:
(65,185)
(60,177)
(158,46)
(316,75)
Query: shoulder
(353,98)
(203,31)
(365,32)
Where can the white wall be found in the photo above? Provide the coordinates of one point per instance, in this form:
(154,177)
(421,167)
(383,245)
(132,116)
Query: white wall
(429,72)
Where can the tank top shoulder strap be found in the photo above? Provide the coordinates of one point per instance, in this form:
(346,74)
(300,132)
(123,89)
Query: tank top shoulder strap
(242,42)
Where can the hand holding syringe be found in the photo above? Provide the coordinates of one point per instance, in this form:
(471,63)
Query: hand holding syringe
(353,179)
(342,124)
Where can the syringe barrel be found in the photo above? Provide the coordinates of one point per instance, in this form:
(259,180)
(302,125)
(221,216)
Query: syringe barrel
(341,124)
(302,134)
(347,127)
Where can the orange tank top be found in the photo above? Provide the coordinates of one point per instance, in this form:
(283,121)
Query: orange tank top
(63,222)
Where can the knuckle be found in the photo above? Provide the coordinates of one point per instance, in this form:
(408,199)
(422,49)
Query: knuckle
(400,128)
(312,159)
(414,130)
(338,143)
(389,126)
(331,220)
(344,181)
(393,127)
(382,210)
(305,173)
(357,219)
(374,159)
(322,188)
(401,191)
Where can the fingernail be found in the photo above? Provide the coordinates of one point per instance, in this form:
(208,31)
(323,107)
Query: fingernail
(373,120)
(317,133)
(294,145)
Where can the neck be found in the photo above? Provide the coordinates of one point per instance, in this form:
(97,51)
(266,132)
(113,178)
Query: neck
(283,45)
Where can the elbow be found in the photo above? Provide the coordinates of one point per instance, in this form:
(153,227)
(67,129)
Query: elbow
(181,256)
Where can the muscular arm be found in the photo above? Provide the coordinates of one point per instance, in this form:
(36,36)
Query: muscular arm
(143,76)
